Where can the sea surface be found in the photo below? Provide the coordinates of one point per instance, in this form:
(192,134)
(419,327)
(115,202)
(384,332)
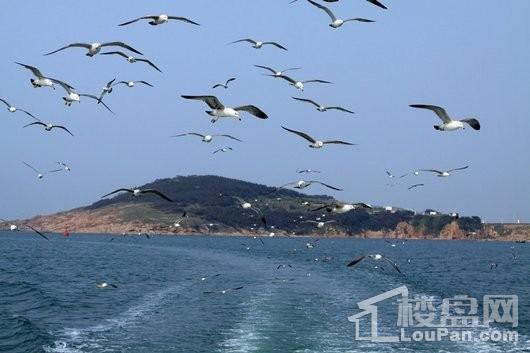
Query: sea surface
(49,301)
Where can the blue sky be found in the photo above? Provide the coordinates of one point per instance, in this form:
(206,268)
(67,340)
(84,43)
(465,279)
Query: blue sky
(472,57)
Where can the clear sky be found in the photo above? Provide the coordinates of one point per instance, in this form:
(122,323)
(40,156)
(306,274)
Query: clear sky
(472,57)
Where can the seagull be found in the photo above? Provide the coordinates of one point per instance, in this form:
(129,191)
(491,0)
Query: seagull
(448,123)
(307,171)
(159,19)
(48,127)
(224,85)
(444,173)
(63,166)
(220,111)
(302,184)
(337,22)
(248,206)
(340,208)
(104,285)
(73,97)
(284,266)
(223,291)
(321,108)
(139,192)
(13,109)
(415,186)
(131,84)
(317,143)
(204,278)
(277,73)
(15,228)
(392,176)
(132,59)
(224,150)
(95,48)
(107,89)
(39,174)
(319,224)
(258,44)
(41,80)
(208,138)
(179,220)
(375,257)
(300,84)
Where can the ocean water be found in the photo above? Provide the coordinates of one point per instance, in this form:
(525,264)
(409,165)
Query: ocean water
(49,301)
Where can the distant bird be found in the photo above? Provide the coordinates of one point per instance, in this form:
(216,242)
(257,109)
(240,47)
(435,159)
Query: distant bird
(337,22)
(73,97)
(204,278)
(307,171)
(13,109)
(16,228)
(104,285)
(342,207)
(445,173)
(41,80)
(139,192)
(319,224)
(322,108)
(415,186)
(178,221)
(223,291)
(258,44)
(316,143)
(224,150)
(284,266)
(277,73)
(159,19)
(63,166)
(132,59)
(131,84)
(299,84)
(208,138)
(39,174)
(107,89)
(375,257)
(374,2)
(302,184)
(220,111)
(248,206)
(95,48)
(224,85)
(391,176)
(448,123)
(49,126)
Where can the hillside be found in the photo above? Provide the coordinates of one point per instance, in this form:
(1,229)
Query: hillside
(211,209)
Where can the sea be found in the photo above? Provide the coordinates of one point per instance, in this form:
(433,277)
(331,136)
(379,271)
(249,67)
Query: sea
(297,295)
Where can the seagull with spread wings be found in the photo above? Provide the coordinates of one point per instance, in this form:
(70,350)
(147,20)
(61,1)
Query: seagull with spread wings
(73,97)
(319,224)
(39,174)
(317,143)
(258,44)
(221,111)
(322,108)
(139,192)
(156,20)
(95,48)
(448,124)
(131,84)
(302,184)
(40,80)
(277,73)
(224,85)
(375,257)
(131,59)
(224,150)
(223,291)
(16,228)
(340,208)
(48,126)
(337,22)
(300,84)
(208,138)
(248,206)
(444,173)
(12,108)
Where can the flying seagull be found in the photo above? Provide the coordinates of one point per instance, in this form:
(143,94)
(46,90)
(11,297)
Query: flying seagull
(131,84)
(317,143)
(299,84)
(319,224)
(41,80)
(159,19)
(307,171)
(139,192)
(63,166)
(48,127)
(302,184)
(224,85)
(39,174)
(220,111)
(337,22)
(16,228)
(223,291)
(415,186)
(277,73)
(107,89)
(375,257)
(448,123)
(74,97)
(104,285)
(258,44)
(340,208)
(444,173)
(179,220)
(13,109)
(392,176)
(224,149)
(95,48)
(208,138)
(248,206)
(322,108)
(132,59)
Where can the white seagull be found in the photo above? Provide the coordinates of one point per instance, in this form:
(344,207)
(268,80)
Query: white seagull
(107,89)
(95,48)
(248,206)
(322,108)
(340,208)
(131,84)
(375,257)
(104,285)
(307,171)
(299,84)
(444,173)
(220,111)
(132,59)
(448,123)
(41,80)
(63,166)
(139,192)
(12,108)
(74,97)
(277,73)
(337,22)
(317,143)
(224,150)
(258,44)
(16,228)
(302,184)
(49,126)
(208,138)
(159,19)
(224,85)
(39,174)
(319,224)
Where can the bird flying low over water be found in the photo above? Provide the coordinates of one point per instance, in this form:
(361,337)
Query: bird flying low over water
(223,291)
(16,228)
(13,109)
(302,184)
(208,138)
(132,59)
(448,123)
(337,22)
(95,48)
(41,80)
(139,192)
(322,108)
(317,143)
(258,45)
(49,126)
(415,186)
(159,19)
(277,73)
(444,173)
(342,207)
(299,84)
(375,257)
(224,85)
(220,111)
(104,285)
(248,206)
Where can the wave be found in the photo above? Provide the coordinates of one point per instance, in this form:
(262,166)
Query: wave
(20,334)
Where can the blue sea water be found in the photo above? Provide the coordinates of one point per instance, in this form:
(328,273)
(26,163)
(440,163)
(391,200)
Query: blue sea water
(49,301)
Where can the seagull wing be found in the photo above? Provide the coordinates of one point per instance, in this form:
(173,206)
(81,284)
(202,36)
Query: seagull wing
(7,104)
(28,113)
(121,44)
(432,171)
(301,134)
(392,263)
(339,142)
(72,45)
(150,64)
(415,186)
(239,199)
(116,52)
(69,89)
(145,83)
(249,40)
(377,3)
(260,214)
(287,78)
(461,168)
(291,69)
(266,68)
(355,261)
(29,166)
(326,185)
(63,128)
(33,70)
(36,231)
(308,101)
(137,19)
(258,113)
(358,19)
(322,7)
(156,192)
(184,19)
(211,101)
(96,98)
(276,45)
(218,85)
(230,137)
(230,80)
(362,205)
(474,123)
(341,109)
(317,81)
(116,191)
(442,114)
(35,123)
